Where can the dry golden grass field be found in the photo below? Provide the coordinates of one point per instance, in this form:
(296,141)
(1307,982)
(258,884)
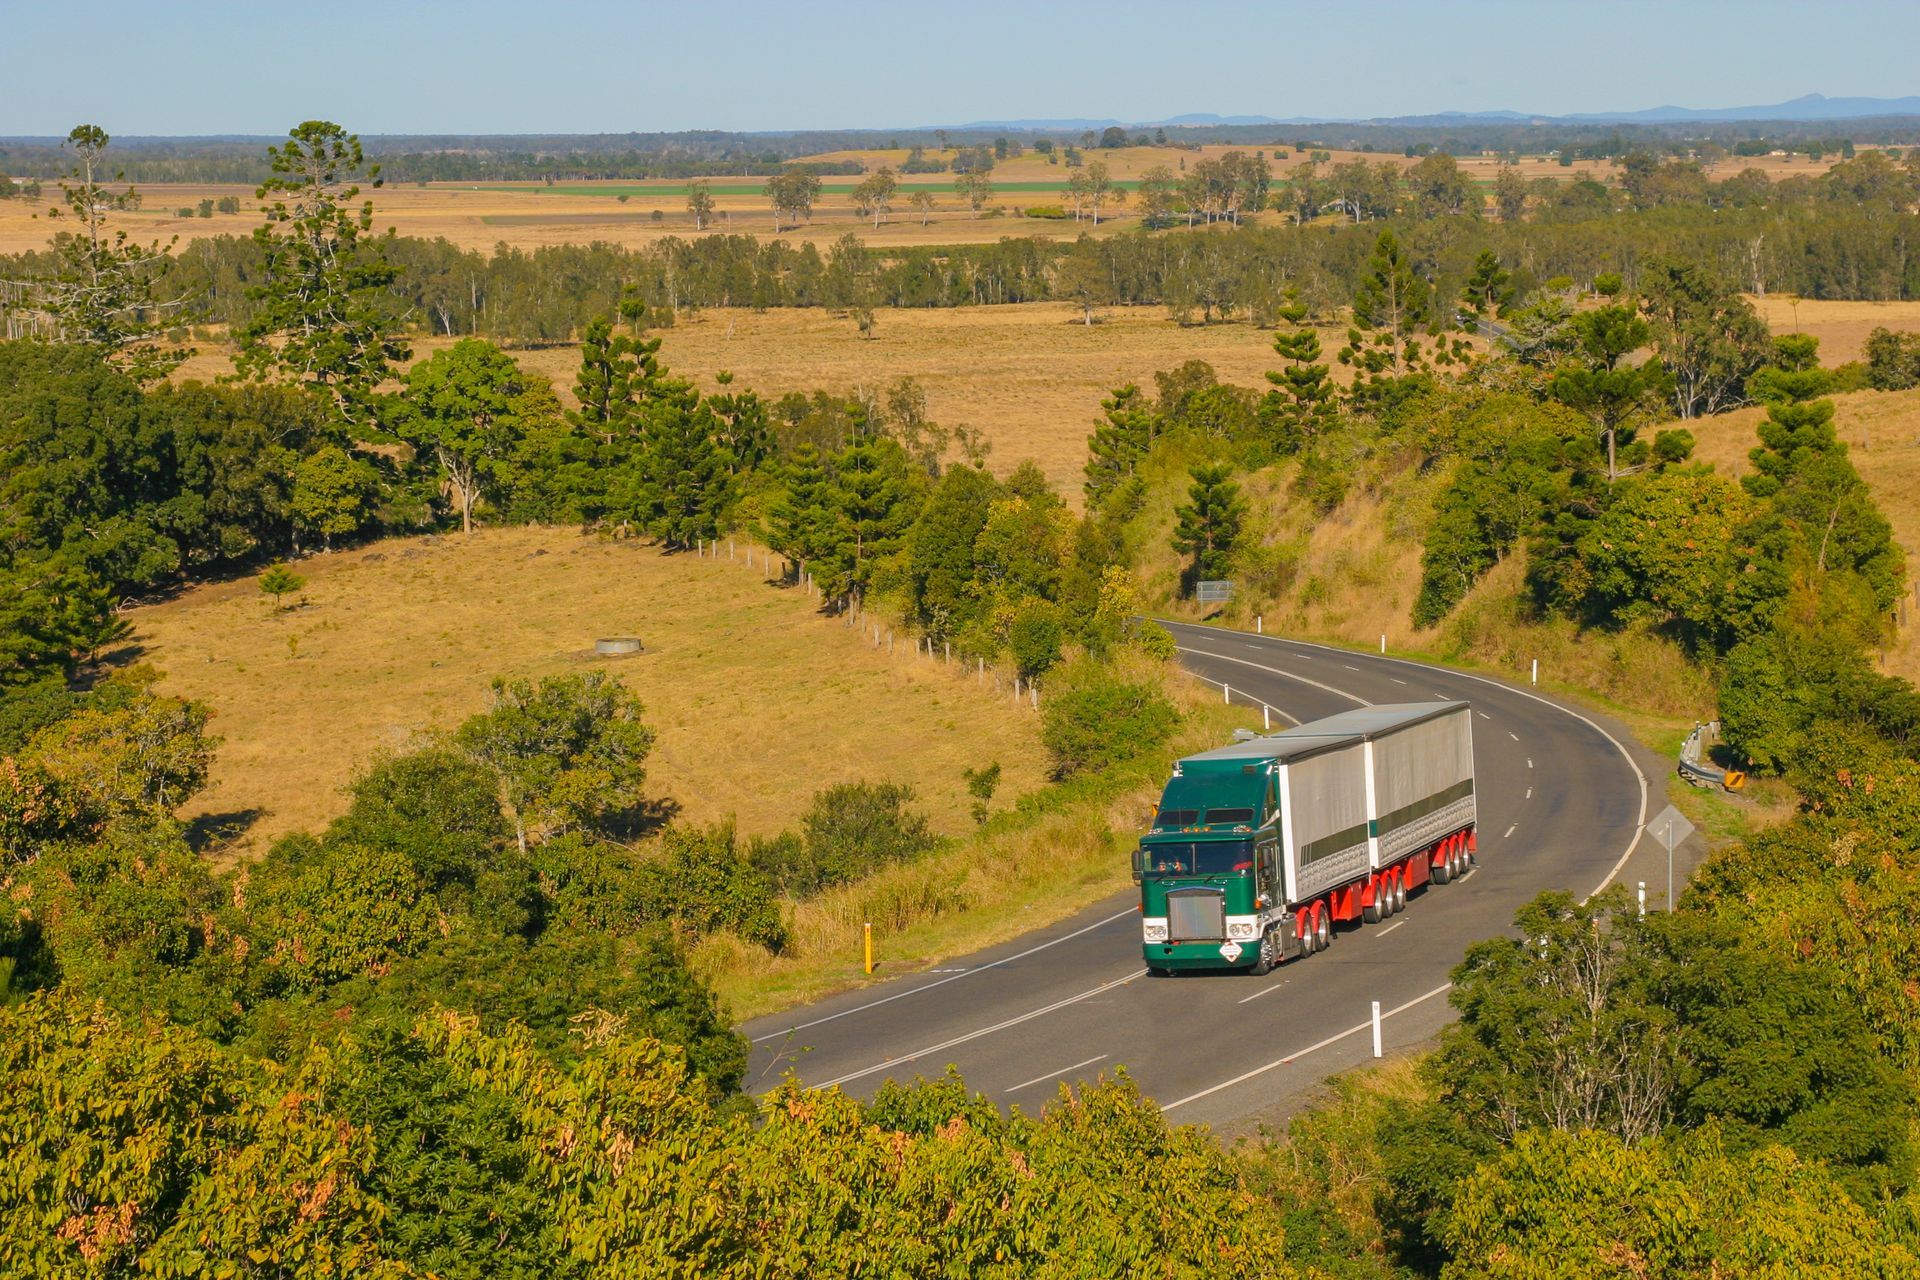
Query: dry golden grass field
(758,701)
(529,215)
(1842,327)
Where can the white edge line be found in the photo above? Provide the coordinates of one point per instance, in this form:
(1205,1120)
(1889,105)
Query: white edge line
(1002,1025)
(1285,675)
(967,973)
(1055,1075)
(1298,1054)
(1265,706)
(1638,827)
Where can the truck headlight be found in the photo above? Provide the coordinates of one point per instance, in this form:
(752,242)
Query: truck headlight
(1240,930)
(1155,931)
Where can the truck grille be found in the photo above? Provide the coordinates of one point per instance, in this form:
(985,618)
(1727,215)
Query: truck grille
(1196,914)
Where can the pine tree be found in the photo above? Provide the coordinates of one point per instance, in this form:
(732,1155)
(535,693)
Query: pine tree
(1119,442)
(322,318)
(1389,304)
(1209,524)
(875,497)
(685,482)
(1489,289)
(801,518)
(102,288)
(1301,407)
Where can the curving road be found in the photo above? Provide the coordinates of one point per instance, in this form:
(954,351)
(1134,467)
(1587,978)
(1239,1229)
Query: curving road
(1562,798)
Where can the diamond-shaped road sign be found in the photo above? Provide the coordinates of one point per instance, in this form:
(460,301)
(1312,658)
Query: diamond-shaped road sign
(1670,827)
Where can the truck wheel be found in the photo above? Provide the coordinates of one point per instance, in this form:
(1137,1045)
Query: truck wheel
(1399,894)
(1382,905)
(1322,928)
(1269,955)
(1444,871)
(1155,971)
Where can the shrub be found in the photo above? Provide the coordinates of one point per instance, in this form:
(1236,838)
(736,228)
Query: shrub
(1093,718)
(1035,638)
(1893,360)
(851,830)
(1045,211)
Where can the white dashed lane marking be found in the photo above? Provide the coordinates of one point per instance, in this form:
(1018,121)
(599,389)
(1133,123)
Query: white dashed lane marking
(1054,1075)
(1510,831)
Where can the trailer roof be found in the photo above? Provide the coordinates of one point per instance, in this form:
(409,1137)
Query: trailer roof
(1326,734)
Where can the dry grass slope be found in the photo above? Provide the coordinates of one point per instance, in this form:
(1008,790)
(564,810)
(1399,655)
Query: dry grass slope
(757,700)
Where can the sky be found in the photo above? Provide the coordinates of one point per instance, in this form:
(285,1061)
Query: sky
(195,67)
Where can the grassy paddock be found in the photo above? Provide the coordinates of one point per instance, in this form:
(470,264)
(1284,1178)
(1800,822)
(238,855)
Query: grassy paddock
(758,700)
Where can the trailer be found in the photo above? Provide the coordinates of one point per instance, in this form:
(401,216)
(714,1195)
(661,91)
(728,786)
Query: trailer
(1259,848)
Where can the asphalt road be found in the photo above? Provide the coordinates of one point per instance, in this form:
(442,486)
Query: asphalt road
(1562,796)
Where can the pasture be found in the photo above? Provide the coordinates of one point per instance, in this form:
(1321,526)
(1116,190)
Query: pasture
(758,701)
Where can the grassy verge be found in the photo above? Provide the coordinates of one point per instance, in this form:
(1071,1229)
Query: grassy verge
(1057,851)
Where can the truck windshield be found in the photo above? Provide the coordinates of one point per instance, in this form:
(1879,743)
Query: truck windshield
(1198,857)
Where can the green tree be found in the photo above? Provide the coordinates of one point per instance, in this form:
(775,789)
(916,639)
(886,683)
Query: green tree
(462,410)
(940,550)
(333,494)
(922,202)
(1095,717)
(320,317)
(569,753)
(793,194)
(1208,524)
(1120,441)
(1301,407)
(1489,289)
(875,495)
(1708,338)
(974,188)
(277,582)
(700,203)
(686,477)
(873,195)
(1389,304)
(102,290)
(801,521)
(1601,384)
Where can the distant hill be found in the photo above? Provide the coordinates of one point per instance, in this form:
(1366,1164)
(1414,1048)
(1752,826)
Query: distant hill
(1808,108)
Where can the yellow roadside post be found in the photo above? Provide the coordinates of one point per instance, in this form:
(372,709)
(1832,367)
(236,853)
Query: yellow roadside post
(867,932)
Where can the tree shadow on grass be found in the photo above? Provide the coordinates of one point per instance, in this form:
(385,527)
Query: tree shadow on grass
(212,831)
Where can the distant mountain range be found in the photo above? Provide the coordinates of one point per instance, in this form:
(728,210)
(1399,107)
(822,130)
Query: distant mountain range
(1812,107)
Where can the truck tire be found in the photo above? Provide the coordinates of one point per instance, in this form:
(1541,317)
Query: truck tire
(1155,971)
(1399,894)
(1269,954)
(1444,871)
(1381,907)
(1322,928)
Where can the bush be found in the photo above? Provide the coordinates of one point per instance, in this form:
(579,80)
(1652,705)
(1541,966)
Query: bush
(1035,638)
(1045,211)
(850,831)
(1094,719)
(1893,360)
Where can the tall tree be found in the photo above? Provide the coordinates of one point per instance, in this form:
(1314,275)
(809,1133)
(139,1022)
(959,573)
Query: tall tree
(873,196)
(1159,189)
(321,318)
(461,409)
(1120,440)
(922,202)
(686,480)
(1389,304)
(876,494)
(1100,189)
(102,289)
(333,494)
(976,189)
(1208,524)
(800,521)
(1601,384)
(1709,338)
(1301,406)
(793,193)
(700,202)
(1510,194)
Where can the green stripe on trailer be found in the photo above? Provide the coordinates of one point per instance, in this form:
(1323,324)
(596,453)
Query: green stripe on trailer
(1327,846)
(1421,808)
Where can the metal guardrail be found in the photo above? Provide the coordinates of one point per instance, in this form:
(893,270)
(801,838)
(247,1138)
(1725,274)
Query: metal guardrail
(1697,769)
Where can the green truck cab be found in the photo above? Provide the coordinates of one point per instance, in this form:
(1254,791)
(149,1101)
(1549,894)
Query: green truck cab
(1210,866)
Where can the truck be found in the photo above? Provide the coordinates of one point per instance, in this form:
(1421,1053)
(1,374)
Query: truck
(1259,848)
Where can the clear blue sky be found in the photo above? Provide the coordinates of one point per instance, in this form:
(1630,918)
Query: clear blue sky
(486,66)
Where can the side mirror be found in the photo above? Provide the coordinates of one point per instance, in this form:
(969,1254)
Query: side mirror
(1139,862)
